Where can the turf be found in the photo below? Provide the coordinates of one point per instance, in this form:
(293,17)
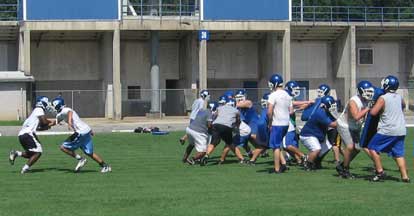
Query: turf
(11,123)
(148,178)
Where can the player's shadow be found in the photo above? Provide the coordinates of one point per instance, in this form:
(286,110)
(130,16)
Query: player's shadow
(66,170)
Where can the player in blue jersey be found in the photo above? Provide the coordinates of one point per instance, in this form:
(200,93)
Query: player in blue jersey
(262,135)
(391,129)
(248,115)
(313,134)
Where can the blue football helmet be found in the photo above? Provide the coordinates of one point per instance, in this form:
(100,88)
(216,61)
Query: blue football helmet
(390,83)
(204,94)
(323,90)
(329,103)
(212,105)
(275,81)
(58,104)
(222,100)
(264,100)
(231,102)
(43,102)
(229,94)
(366,90)
(240,95)
(292,88)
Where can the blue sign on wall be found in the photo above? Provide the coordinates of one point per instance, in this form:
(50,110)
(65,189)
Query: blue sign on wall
(72,9)
(203,35)
(247,10)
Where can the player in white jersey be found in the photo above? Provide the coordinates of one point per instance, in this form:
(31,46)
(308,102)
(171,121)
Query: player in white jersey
(198,104)
(81,138)
(27,135)
(350,125)
(279,109)
(391,129)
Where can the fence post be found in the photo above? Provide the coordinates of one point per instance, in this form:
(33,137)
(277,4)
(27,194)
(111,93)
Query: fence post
(348,14)
(314,15)
(73,105)
(382,15)
(160,103)
(142,18)
(331,14)
(365,15)
(398,13)
(180,10)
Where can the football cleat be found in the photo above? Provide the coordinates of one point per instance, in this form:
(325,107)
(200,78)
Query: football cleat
(204,160)
(407,180)
(340,169)
(23,171)
(12,157)
(378,177)
(182,141)
(251,163)
(190,161)
(347,175)
(80,164)
(106,169)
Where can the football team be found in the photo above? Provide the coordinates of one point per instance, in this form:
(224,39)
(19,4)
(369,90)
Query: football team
(372,121)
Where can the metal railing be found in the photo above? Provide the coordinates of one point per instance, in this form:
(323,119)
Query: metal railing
(8,12)
(150,9)
(352,14)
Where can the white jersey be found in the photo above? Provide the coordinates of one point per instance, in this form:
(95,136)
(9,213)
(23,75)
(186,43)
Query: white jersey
(79,126)
(31,123)
(244,129)
(347,121)
(392,122)
(281,102)
(197,106)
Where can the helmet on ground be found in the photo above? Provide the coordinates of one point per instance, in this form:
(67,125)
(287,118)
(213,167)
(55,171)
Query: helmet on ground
(275,81)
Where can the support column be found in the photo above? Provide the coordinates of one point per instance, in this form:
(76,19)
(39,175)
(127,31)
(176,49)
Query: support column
(353,60)
(116,75)
(155,72)
(202,55)
(26,52)
(20,64)
(269,60)
(286,55)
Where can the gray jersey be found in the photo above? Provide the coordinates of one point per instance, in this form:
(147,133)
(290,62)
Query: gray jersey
(197,105)
(199,124)
(392,122)
(226,115)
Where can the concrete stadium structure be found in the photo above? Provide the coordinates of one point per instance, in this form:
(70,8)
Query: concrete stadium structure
(106,56)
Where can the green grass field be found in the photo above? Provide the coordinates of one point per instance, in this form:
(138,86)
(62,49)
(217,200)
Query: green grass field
(148,178)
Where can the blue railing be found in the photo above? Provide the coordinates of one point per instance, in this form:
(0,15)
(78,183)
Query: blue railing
(162,8)
(352,14)
(8,12)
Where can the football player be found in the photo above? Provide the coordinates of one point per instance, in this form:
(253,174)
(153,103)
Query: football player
(81,137)
(313,134)
(350,125)
(391,129)
(27,135)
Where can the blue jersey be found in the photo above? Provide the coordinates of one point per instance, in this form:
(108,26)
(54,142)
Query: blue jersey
(317,126)
(263,129)
(249,115)
(308,112)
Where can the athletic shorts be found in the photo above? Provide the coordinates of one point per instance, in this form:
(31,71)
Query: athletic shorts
(348,136)
(240,141)
(313,144)
(221,132)
(82,141)
(197,139)
(276,136)
(392,145)
(291,139)
(334,138)
(30,142)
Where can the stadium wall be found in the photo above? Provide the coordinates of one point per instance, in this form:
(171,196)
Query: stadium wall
(8,56)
